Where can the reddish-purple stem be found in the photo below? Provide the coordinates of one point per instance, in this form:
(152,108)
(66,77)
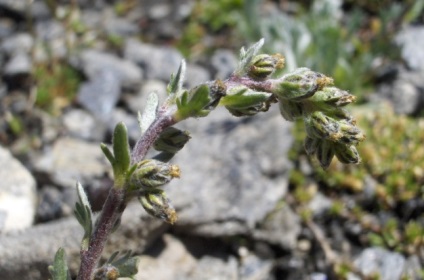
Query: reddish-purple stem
(116,200)
(149,137)
(111,212)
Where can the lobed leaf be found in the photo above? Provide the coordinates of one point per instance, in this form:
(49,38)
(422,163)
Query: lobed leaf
(59,270)
(149,113)
(121,150)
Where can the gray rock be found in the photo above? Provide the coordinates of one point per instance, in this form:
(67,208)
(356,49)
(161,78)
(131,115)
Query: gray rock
(19,63)
(411,40)
(253,268)
(196,75)
(54,204)
(212,268)
(282,220)
(130,121)
(406,93)
(412,269)
(224,62)
(229,165)
(91,18)
(319,204)
(159,11)
(39,10)
(389,265)
(71,160)
(18,43)
(91,62)
(16,6)
(120,27)
(175,262)
(50,126)
(81,124)
(26,255)
(101,93)
(158,62)
(318,276)
(49,30)
(137,102)
(17,194)
(51,40)
(7,27)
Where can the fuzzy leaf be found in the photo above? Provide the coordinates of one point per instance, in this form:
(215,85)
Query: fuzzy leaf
(84,215)
(127,266)
(59,270)
(194,103)
(176,82)
(107,153)
(149,113)
(243,97)
(246,57)
(121,150)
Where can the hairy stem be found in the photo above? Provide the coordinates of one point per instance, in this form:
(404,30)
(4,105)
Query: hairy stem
(115,203)
(111,212)
(150,136)
(234,80)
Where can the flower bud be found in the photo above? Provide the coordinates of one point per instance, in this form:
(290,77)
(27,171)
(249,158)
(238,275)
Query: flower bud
(318,125)
(300,84)
(171,140)
(350,134)
(242,101)
(325,153)
(158,205)
(332,96)
(290,110)
(152,173)
(347,154)
(264,65)
(311,145)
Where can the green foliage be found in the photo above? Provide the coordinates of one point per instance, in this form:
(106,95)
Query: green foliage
(208,17)
(59,270)
(118,268)
(319,39)
(393,158)
(84,215)
(194,103)
(120,159)
(57,85)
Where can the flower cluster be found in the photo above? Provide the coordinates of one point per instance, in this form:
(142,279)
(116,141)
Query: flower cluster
(331,130)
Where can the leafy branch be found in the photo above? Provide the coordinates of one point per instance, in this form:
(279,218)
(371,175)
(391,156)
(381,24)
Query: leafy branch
(251,89)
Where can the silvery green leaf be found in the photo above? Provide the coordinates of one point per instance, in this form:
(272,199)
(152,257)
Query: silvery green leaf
(246,57)
(82,197)
(106,151)
(59,270)
(84,215)
(149,113)
(243,97)
(121,150)
(127,265)
(194,103)
(176,82)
